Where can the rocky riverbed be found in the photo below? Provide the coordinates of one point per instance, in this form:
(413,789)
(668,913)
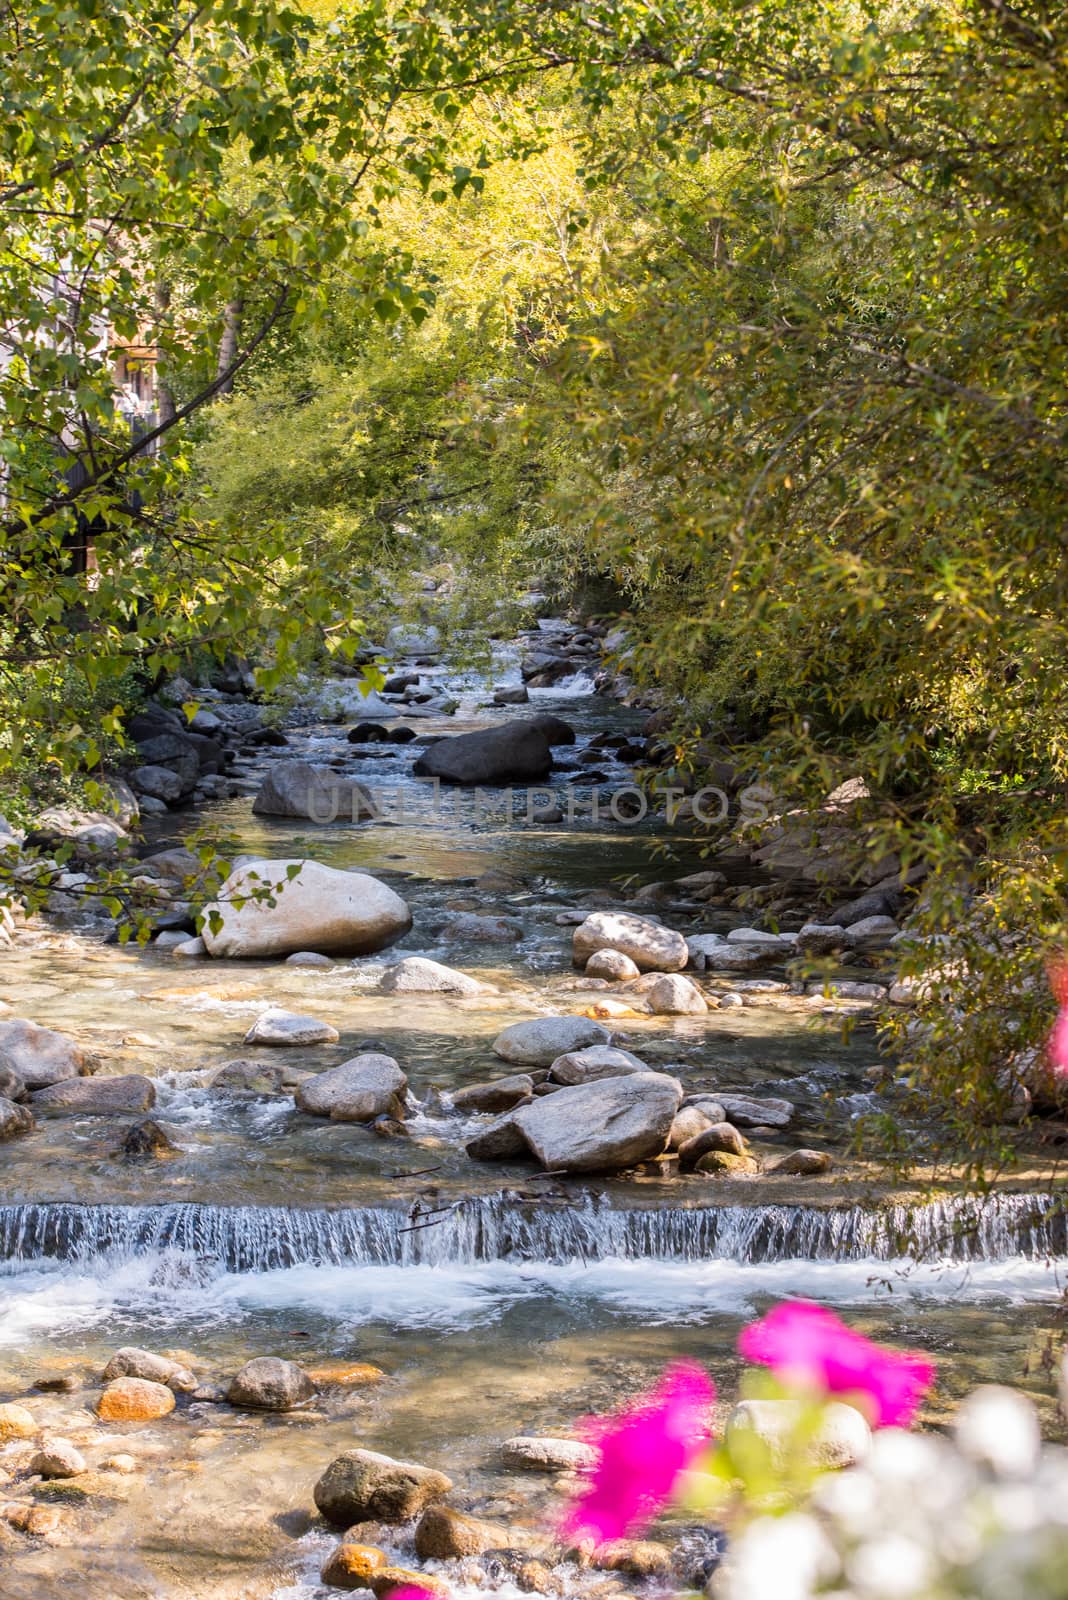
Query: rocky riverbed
(484,1118)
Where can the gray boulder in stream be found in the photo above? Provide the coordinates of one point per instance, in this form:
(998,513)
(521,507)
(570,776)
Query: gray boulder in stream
(299,789)
(512,752)
(273,908)
(594,1127)
(368,1086)
(539,1042)
(602,1126)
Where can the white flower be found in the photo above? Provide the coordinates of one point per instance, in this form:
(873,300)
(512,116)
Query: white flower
(782,1556)
(891,1567)
(998,1428)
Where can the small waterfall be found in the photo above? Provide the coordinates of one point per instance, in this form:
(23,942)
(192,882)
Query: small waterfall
(496,1228)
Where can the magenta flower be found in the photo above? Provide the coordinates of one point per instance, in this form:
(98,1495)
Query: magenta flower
(806,1345)
(1057,1047)
(642,1451)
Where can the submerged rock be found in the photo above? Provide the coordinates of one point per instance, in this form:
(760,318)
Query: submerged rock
(651,947)
(725,1164)
(363,1486)
(368,1086)
(392,1580)
(540,1041)
(98,1097)
(270,1384)
(314,908)
(419,975)
(277,1027)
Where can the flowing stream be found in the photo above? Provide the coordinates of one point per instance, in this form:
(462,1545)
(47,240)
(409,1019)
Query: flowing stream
(496,1301)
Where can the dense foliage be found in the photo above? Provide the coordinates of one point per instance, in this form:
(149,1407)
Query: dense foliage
(752,312)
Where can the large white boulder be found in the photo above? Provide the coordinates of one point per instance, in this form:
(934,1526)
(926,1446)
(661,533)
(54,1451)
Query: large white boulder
(306,907)
(651,947)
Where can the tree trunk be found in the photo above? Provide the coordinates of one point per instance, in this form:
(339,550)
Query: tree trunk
(228,343)
(166,407)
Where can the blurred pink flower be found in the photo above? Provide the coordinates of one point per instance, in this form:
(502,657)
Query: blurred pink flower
(807,1345)
(642,1451)
(1057,1047)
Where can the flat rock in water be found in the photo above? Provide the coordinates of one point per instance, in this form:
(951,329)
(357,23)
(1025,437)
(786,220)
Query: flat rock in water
(98,1097)
(651,947)
(360,1090)
(549,1455)
(540,1041)
(595,1062)
(363,1486)
(603,1126)
(746,1112)
(40,1056)
(712,951)
(419,975)
(279,1027)
(315,908)
(300,789)
(502,1094)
